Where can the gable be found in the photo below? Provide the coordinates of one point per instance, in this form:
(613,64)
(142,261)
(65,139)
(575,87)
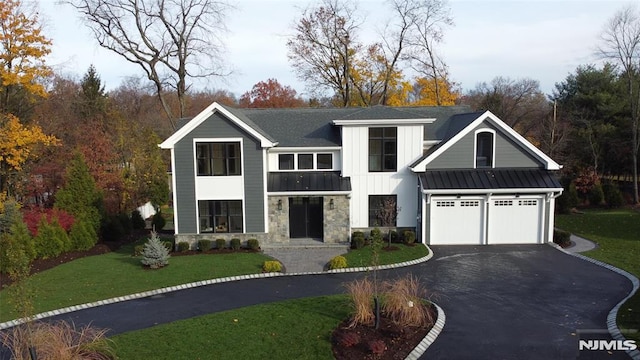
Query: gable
(457,150)
(508,154)
(246,125)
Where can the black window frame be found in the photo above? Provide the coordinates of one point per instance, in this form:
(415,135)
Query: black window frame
(319,162)
(383,149)
(305,158)
(220,214)
(286,159)
(375,204)
(484,143)
(209,155)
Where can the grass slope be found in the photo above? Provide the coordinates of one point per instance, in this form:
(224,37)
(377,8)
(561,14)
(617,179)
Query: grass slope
(293,329)
(362,257)
(118,273)
(617,233)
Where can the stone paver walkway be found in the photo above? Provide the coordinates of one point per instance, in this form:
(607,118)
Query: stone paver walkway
(302,259)
(580,245)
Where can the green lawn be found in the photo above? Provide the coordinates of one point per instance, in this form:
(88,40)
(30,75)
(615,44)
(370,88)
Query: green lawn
(118,273)
(617,233)
(362,257)
(293,329)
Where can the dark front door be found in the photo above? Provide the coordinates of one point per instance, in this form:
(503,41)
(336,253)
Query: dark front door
(305,217)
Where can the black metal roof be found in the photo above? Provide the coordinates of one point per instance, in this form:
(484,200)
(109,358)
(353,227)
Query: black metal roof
(511,178)
(307,181)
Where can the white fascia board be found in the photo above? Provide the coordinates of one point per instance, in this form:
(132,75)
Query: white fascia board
(205,114)
(383,122)
(304,149)
(308,193)
(549,163)
(490,191)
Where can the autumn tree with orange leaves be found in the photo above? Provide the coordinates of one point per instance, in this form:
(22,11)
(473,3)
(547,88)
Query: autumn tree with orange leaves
(22,67)
(271,94)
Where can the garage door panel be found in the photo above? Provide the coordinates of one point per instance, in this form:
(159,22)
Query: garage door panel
(456,221)
(514,221)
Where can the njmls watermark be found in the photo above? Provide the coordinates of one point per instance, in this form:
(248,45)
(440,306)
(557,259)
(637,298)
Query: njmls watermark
(605,345)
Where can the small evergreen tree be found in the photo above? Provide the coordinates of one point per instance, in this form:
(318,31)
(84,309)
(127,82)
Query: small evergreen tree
(80,196)
(155,254)
(82,236)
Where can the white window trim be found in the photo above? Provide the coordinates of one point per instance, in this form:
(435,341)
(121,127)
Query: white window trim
(217,140)
(475,147)
(315,161)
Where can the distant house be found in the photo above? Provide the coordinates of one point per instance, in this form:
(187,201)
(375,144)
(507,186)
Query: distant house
(282,174)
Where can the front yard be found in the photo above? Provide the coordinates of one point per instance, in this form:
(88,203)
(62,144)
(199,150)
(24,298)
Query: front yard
(617,233)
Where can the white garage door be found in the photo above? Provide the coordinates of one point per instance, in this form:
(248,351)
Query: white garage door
(456,221)
(515,220)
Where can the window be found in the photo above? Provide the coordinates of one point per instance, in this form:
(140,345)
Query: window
(484,149)
(305,161)
(220,216)
(383,210)
(325,161)
(218,159)
(285,161)
(383,149)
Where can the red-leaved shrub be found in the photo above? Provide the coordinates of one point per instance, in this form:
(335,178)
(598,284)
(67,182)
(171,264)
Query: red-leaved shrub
(377,347)
(349,339)
(33,215)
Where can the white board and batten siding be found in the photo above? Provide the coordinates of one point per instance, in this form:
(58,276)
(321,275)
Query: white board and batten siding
(403,183)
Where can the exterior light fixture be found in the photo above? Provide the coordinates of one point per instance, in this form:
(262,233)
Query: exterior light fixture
(280,204)
(331,204)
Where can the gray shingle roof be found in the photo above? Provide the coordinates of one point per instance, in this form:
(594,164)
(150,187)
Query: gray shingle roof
(305,127)
(489,179)
(301,181)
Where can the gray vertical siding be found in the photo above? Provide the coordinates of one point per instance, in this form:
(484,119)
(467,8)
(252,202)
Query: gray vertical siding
(508,153)
(217,126)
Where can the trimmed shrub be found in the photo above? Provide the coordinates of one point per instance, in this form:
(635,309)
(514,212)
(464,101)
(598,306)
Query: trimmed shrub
(612,195)
(17,248)
(596,195)
(221,243)
(183,246)
(561,237)
(155,254)
(137,222)
(158,222)
(253,244)
(168,244)
(112,229)
(357,240)
(125,222)
(393,236)
(82,235)
(204,245)
(271,266)
(376,235)
(568,200)
(235,244)
(337,262)
(51,240)
(137,250)
(409,237)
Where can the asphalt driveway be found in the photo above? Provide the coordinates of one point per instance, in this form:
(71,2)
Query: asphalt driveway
(501,302)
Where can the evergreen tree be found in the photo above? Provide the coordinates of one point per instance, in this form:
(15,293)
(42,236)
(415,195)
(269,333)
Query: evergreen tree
(92,100)
(155,254)
(80,196)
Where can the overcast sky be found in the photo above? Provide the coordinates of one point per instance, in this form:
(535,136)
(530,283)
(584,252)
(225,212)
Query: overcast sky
(543,40)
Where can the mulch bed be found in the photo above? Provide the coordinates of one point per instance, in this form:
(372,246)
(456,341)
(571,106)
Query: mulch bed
(397,341)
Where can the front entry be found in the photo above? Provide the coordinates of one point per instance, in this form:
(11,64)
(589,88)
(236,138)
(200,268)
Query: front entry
(305,217)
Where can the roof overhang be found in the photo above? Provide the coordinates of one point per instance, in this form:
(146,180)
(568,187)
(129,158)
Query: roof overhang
(383,122)
(172,140)
(550,164)
(491,191)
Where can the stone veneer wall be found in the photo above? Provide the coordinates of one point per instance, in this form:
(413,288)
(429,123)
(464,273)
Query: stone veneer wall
(337,224)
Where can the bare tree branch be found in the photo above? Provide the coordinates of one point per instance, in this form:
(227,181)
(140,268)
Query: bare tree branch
(171,40)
